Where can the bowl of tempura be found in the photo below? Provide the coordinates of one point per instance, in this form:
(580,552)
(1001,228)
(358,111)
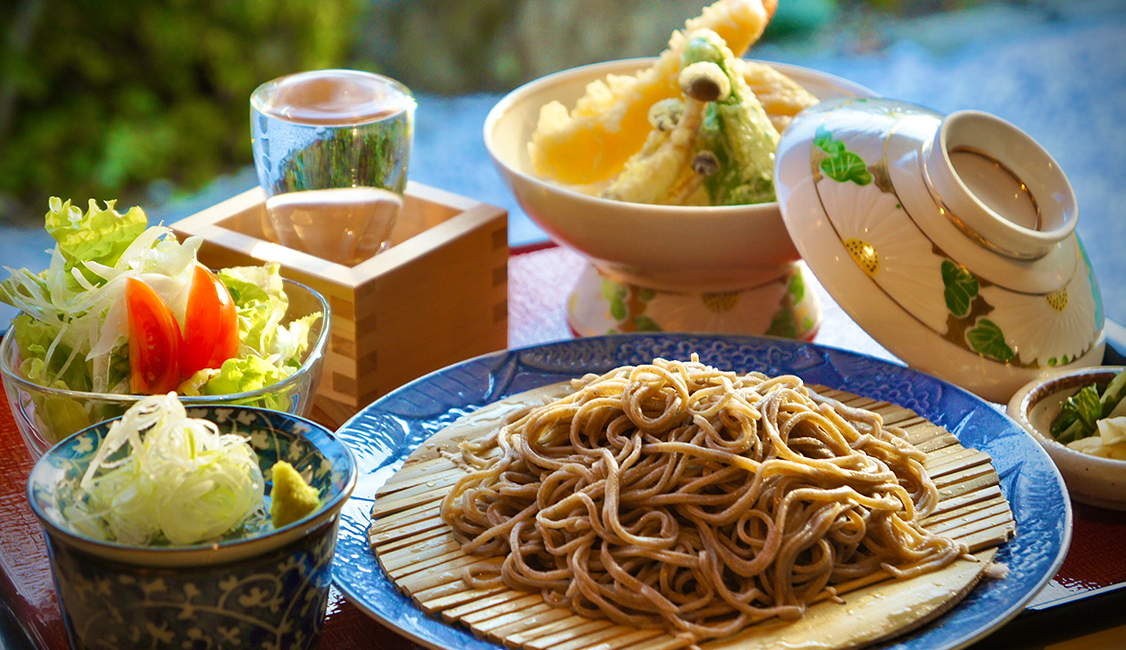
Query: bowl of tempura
(660,170)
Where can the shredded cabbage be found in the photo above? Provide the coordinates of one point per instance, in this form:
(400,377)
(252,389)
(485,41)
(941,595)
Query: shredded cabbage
(180,481)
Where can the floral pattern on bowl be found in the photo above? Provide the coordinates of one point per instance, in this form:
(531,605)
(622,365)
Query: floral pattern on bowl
(1041,329)
(267,590)
(785,307)
(859,181)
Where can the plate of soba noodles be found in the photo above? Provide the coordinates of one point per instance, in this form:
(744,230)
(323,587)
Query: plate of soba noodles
(659,491)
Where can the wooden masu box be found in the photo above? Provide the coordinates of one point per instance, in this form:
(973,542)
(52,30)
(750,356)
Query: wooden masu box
(437,296)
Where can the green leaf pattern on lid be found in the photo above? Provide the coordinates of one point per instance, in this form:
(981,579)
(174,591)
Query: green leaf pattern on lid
(988,339)
(961,288)
(994,321)
(841,164)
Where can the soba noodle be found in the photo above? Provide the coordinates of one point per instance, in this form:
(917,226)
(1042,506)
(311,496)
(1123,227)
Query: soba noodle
(676,495)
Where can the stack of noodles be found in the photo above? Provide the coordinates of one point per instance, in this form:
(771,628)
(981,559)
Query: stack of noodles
(676,495)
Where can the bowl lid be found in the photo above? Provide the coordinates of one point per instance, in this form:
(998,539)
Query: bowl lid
(958,226)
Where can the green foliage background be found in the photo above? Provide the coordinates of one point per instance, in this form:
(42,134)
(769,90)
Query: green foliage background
(102,98)
(99,98)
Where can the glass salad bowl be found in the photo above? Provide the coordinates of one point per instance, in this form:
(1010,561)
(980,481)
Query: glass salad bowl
(47,415)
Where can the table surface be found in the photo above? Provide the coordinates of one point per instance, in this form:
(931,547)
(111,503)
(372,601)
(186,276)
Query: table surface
(1080,608)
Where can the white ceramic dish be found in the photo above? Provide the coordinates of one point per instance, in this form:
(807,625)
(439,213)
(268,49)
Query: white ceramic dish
(949,239)
(1090,479)
(668,248)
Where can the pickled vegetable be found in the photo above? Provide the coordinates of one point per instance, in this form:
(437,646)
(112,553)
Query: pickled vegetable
(736,130)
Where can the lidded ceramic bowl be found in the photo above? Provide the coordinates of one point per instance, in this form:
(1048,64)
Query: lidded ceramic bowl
(950,239)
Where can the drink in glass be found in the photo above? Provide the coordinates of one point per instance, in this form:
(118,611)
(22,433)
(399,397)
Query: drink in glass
(331,149)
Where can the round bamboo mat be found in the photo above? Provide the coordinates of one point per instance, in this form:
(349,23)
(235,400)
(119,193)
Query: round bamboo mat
(421,556)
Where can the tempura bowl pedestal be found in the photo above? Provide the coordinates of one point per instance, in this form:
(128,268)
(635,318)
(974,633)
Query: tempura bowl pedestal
(785,306)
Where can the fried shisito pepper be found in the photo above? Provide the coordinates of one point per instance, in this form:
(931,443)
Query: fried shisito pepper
(713,147)
(736,129)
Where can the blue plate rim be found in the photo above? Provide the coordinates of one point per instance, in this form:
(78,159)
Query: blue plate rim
(507,372)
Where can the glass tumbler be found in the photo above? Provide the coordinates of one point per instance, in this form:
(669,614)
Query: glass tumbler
(331,148)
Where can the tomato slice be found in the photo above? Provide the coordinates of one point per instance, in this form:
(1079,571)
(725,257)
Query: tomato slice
(210,325)
(154,341)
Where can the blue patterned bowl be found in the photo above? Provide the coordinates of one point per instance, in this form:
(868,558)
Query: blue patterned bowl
(268,590)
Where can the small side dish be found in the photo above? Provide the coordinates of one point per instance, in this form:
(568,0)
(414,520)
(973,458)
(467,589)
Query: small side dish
(162,478)
(253,585)
(1075,417)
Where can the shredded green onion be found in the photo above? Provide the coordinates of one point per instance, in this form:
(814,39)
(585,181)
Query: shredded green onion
(180,480)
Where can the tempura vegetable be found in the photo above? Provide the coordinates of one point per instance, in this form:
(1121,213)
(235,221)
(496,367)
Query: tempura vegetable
(592,142)
(662,171)
(721,150)
(781,97)
(698,127)
(736,129)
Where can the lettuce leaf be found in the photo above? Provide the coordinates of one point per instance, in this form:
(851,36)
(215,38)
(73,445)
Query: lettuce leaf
(260,298)
(60,367)
(243,375)
(99,235)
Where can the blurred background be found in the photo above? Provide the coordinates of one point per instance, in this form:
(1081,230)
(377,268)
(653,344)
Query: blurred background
(146,102)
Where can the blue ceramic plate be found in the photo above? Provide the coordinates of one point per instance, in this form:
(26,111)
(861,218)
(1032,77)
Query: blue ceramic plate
(387,431)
